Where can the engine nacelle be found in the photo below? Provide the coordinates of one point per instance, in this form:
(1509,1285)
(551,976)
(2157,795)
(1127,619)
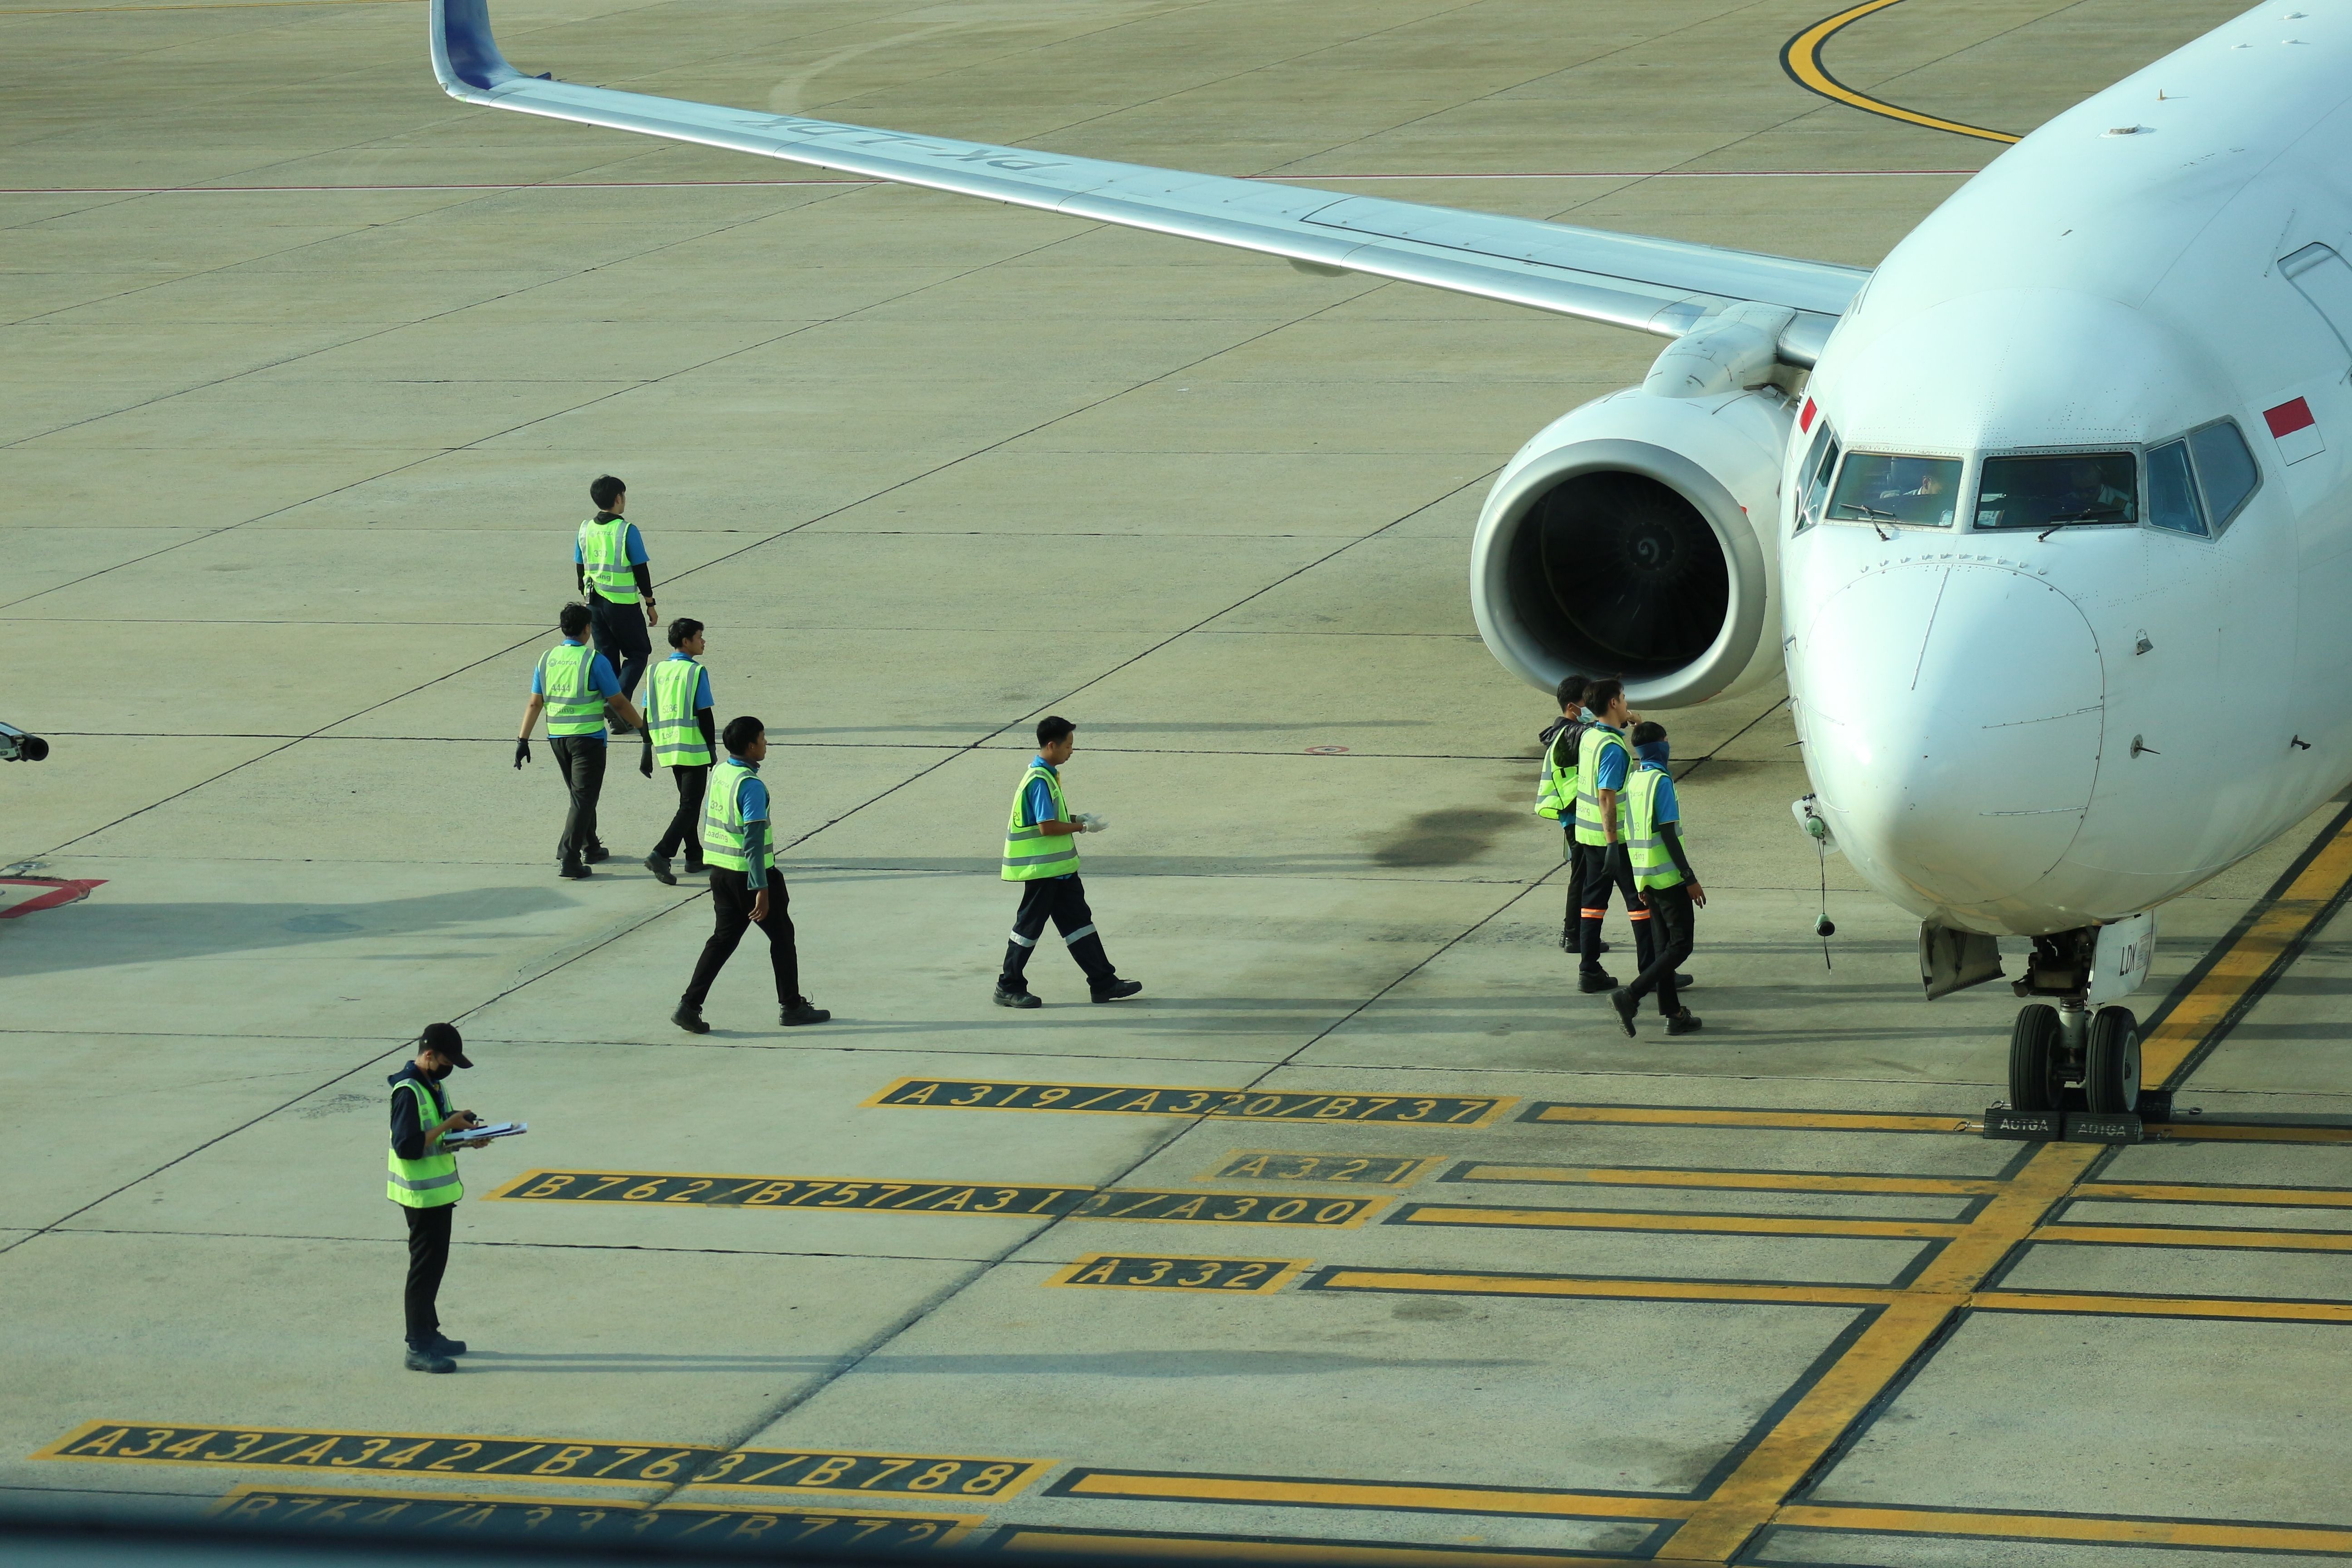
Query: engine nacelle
(1638,537)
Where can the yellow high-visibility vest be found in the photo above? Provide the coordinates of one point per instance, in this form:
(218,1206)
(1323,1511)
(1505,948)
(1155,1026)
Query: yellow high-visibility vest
(1029,852)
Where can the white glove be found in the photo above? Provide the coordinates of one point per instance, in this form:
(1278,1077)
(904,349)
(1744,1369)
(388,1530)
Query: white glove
(1092,823)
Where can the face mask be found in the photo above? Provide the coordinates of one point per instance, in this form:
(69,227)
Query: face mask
(444,1070)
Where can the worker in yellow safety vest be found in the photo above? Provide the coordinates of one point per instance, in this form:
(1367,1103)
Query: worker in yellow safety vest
(1652,827)
(682,734)
(422,1181)
(1041,853)
(609,564)
(1556,776)
(572,684)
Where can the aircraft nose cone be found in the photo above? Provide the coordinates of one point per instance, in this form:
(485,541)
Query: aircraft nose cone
(1953,715)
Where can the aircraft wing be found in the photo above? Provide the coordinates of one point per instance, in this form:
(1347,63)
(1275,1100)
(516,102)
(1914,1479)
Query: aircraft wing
(1662,286)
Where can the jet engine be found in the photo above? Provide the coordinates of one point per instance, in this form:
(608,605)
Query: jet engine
(1637,537)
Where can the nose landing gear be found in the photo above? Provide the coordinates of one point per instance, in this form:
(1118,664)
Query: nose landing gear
(2054,1048)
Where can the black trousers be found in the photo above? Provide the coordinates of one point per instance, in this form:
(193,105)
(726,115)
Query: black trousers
(1669,910)
(1063,900)
(730,901)
(1577,857)
(621,638)
(582,758)
(681,834)
(428,1258)
(1599,879)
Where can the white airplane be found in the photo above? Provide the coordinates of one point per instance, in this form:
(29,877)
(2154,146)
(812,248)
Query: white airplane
(2041,518)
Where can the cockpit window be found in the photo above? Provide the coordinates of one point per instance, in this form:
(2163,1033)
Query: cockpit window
(2171,494)
(2054,491)
(2225,470)
(1918,492)
(1814,476)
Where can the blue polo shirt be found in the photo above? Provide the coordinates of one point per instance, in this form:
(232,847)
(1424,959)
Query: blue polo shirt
(1664,808)
(1610,772)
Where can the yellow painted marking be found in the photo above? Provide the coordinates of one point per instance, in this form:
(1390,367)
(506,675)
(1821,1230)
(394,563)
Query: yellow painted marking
(1731,1180)
(1752,1494)
(2168,1047)
(1802,58)
(1355,1170)
(2165,1306)
(1711,1224)
(1106,1544)
(1225,1104)
(2173,1236)
(376,1512)
(1133,1271)
(1525,1500)
(2060,1527)
(2273,1197)
(862,1474)
(1604,1289)
(418,1452)
(1155,1206)
(1790,1120)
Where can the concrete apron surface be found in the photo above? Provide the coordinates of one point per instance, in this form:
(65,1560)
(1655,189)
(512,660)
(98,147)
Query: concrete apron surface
(1359,1226)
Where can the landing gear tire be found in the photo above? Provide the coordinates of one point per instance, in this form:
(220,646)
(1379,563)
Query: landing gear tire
(2110,1066)
(2037,1063)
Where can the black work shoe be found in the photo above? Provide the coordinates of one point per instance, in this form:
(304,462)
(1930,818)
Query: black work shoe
(1004,998)
(799,1013)
(689,1019)
(659,866)
(1601,947)
(1627,1005)
(442,1345)
(696,869)
(597,855)
(1570,943)
(1115,989)
(426,1359)
(1592,982)
(1684,983)
(574,872)
(1683,1023)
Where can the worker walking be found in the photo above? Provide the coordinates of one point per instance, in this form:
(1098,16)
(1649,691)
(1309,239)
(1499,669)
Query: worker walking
(608,562)
(745,889)
(1555,777)
(681,734)
(1662,871)
(1602,766)
(1041,853)
(573,684)
(424,1182)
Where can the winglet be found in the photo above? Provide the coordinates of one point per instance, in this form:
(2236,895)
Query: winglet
(465,56)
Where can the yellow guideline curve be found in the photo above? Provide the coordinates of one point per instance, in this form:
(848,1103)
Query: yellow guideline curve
(1800,56)
(1761,1490)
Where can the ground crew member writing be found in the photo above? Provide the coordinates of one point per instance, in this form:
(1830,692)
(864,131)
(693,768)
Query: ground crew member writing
(423,1180)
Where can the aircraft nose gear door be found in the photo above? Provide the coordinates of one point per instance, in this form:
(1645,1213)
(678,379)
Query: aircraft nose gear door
(2052,1047)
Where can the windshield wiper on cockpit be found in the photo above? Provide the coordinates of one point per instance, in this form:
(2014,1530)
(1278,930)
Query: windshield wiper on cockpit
(2089,514)
(1871,516)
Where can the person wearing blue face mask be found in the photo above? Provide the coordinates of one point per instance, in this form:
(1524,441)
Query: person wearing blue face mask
(1668,887)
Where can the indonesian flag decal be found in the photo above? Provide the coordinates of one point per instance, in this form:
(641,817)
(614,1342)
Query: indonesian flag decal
(2295,430)
(1805,418)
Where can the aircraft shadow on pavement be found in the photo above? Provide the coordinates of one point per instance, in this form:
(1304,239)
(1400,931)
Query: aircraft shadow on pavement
(99,934)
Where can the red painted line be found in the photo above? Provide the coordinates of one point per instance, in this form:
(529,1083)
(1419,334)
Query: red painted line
(786,184)
(60,892)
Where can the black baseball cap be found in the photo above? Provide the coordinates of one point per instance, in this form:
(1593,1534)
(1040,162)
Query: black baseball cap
(443,1038)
